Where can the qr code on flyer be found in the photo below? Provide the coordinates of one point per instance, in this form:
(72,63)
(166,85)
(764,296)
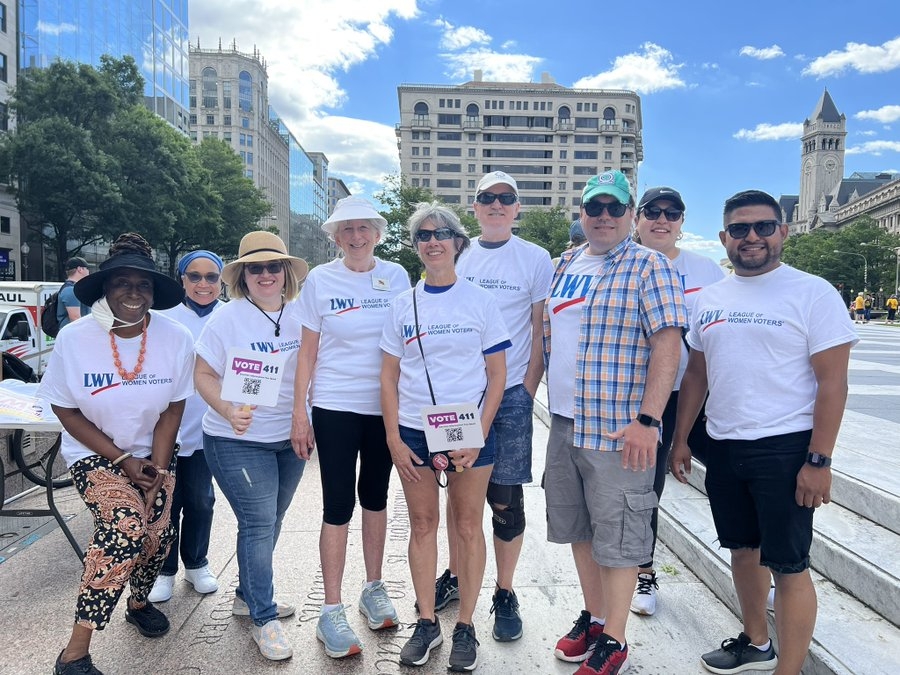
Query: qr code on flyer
(251,386)
(454,434)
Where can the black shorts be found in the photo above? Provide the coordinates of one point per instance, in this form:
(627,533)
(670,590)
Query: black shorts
(751,487)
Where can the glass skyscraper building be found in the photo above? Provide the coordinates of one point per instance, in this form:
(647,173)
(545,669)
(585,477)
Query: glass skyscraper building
(154,32)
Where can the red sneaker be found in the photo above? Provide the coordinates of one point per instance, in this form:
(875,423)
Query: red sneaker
(577,644)
(608,658)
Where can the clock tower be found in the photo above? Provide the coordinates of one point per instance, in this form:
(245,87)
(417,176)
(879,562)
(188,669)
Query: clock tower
(822,156)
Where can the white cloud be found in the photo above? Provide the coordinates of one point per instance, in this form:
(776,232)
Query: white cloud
(710,66)
(652,69)
(495,67)
(762,53)
(460,37)
(874,148)
(711,248)
(47,28)
(885,114)
(868,132)
(771,132)
(860,57)
(314,43)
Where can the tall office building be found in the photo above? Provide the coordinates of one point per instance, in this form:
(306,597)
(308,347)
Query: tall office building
(229,100)
(337,190)
(10,253)
(154,33)
(550,138)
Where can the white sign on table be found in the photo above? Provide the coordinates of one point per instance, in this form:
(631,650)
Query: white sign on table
(252,378)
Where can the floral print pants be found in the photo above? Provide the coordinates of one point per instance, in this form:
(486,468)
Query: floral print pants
(130,542)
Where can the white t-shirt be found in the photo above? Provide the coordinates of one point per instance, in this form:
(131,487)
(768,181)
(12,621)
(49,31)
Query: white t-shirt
(190,435)
(348,310)
(758,334)
(457,326)
(81,375)
(564,307)
(696,272)
(240,324)
(518,275)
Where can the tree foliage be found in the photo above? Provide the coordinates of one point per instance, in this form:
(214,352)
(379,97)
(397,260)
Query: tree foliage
(400,198)
(88,161)
(839,256)
(549,229)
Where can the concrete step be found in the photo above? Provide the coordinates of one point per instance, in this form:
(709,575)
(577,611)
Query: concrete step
(851,551)
(850,636)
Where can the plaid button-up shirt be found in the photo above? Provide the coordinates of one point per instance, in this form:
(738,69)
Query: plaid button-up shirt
(635,293)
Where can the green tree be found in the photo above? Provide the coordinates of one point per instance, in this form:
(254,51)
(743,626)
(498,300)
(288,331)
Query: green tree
(549,229)
(242,204)
(400,198)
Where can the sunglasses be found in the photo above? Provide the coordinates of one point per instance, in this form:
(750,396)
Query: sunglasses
(763,228)
(615,209)
(271,267)
(653,213)
(196,277)
(506,198)
(441,234)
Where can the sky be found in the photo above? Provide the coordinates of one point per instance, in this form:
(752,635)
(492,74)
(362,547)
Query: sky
(724,86)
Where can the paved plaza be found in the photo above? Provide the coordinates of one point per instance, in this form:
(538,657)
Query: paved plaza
(39,575)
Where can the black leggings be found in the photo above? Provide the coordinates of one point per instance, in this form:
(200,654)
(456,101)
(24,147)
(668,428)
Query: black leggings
(697,440)
(341,438)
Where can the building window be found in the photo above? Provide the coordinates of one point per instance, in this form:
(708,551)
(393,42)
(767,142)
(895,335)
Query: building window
(415,166)
(3,68)
(472,152)
(415,182)
(471,168)
(245,122)
(426,166)
(2,17)
(226,94)
(420,108)
(242,139)
(415,151)
(564,154)
(226,136)
(4,117)
(5,223)
(426,152)
(249,173)
(193,119)
(426,182)
(608,140)
(415,135)
(249,158)
(249,140)
(210,119)
(245,91)
(607,155)
(562,185)
(471,184)
(226,120)
(210,88)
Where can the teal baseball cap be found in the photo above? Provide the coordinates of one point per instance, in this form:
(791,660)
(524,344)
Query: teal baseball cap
(613,183)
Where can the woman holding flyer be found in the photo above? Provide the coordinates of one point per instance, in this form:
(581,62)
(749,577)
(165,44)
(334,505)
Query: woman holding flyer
(246,360)
(443,346)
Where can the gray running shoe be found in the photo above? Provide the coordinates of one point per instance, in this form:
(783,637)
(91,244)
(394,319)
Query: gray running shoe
(425,637)
(737,655)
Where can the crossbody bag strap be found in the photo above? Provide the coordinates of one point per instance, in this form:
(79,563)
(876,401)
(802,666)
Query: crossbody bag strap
(422,351)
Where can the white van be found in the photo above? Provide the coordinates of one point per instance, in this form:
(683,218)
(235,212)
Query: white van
(21,303)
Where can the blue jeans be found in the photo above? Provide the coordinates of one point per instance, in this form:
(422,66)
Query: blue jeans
(192,514)
(259,481)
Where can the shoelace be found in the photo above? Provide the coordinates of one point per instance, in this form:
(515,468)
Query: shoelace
(582,626)
(644,585)
(418,636)
(381,600)
(339,619)
(736,645)
(464,637)
(504,605)
(602,652)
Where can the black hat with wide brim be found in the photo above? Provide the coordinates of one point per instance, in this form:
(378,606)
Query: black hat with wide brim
(167,292)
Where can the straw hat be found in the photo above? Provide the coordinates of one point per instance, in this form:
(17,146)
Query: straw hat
(262,246)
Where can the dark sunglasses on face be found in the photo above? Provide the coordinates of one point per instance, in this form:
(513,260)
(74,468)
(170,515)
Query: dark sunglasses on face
(506,198)
(654,212)
(763,228)
(615,209)
(440,234)
(257,268)
(196,277)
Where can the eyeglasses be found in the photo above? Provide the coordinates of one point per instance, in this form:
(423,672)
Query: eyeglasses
(196,277)
(441,234)
(763,228)
(654,212)
(506,198)
(615,209)
(271,267)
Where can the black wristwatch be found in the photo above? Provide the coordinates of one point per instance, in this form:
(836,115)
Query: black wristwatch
(648,421)
(817,460)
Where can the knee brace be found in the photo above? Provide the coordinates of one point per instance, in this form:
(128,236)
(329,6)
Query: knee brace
(508,504)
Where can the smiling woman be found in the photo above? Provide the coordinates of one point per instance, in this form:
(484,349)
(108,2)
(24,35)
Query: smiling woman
(120,406)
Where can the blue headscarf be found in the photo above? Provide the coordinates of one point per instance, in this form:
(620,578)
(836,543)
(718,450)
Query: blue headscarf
(201,310)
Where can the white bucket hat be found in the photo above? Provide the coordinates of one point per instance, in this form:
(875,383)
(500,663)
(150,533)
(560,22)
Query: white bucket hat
(353,208)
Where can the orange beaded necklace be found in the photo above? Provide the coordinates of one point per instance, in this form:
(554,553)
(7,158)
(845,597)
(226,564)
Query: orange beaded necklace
(124,374)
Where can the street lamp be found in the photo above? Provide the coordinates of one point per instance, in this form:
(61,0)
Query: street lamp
(865,268)
(25,249)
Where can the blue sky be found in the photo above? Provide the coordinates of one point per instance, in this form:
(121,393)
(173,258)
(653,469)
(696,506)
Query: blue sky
(725,87)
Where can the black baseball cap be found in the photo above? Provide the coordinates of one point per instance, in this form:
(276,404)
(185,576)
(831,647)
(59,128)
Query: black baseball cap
(653,194)
(72,263)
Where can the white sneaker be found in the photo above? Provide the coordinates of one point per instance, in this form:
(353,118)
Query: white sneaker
(272,642)
(202,580)
(644,600)
(770,600)
(240,608)
(162,588)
